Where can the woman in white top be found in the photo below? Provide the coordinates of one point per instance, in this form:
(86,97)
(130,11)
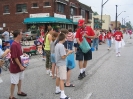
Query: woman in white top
(2,54)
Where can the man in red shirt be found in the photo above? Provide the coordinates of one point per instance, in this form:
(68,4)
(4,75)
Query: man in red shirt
(88,33)
(118,37)
(16,68)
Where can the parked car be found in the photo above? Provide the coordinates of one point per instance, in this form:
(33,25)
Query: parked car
(29,35)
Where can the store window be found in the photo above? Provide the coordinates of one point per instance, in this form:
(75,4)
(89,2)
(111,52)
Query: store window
(21,8)
(46,4)
(83,13)
(73,11)
(60,8)
(34,5)
(90,16)
(6,9)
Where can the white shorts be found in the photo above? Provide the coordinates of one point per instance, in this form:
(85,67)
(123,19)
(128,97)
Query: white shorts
(16,77)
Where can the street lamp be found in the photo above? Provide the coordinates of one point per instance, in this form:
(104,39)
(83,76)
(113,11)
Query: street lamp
(123,19)
(120,13)
(102,10)
(117,15)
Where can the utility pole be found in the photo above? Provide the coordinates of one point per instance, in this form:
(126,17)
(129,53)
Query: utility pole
(116,16)
(101,13)
(122,21)
(102,10)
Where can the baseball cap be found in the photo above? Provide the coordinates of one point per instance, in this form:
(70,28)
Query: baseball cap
(81,22)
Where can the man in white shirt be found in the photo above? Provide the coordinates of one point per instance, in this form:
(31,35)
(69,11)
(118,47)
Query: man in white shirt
(6,35)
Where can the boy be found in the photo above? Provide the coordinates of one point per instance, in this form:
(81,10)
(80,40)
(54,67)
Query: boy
(60,55)
(16,67)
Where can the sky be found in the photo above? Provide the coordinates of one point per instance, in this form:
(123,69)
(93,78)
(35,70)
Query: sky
(110,8)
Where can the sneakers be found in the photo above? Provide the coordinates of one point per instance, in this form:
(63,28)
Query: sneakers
(119,54)
(80,76)
(1,80)
(47,72)
(43,59)
(57,92)
(84,74)
(50,74)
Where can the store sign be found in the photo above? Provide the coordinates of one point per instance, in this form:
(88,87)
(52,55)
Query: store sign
(76,18)
(1,28)
(59,16)
(38,15)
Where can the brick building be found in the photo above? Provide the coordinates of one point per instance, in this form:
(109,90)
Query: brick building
(24,14)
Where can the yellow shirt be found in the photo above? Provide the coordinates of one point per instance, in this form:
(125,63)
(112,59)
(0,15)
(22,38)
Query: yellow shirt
(47,43)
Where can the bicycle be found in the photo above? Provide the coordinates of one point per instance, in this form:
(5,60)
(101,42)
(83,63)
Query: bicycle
(25,42)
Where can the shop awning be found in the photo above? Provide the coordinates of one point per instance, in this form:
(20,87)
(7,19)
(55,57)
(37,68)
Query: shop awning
(46,20)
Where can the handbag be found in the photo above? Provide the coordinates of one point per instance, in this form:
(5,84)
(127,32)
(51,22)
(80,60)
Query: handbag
(122,43)
(85,47)
(70,61)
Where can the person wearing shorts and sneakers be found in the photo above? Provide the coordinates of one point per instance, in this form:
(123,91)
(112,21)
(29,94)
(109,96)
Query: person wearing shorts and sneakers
(16,68)
(83,58)
(60,56)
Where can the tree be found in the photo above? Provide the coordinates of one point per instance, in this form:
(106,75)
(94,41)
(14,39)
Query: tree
(128,25)
(95,13)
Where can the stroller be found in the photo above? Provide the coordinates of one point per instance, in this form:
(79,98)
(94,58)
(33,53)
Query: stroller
(38,43)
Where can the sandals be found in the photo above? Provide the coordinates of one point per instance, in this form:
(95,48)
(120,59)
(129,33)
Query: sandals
(22,94)
(12,98)
(71,85)
(66,98)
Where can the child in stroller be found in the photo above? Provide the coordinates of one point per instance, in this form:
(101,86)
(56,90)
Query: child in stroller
(38,44)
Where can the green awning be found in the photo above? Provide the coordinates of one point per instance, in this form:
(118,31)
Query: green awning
(46,20)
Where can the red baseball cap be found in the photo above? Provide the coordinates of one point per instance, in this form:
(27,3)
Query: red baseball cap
(81,22)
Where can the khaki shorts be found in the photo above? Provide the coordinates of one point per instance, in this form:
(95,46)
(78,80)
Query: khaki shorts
(61,72)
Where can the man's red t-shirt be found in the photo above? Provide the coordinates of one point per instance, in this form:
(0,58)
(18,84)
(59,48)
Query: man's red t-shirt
(109,35)
(16,52)
(80,32)
(118,35)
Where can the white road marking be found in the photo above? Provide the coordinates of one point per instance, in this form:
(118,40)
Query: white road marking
(88,96)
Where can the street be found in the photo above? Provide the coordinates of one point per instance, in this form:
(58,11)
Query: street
(108,77)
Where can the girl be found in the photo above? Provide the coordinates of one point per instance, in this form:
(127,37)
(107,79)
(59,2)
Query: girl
(70,39)
(109,36)
(52,49)
(118,37)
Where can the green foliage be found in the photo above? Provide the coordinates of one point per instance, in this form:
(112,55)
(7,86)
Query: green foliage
(95,13)
(128,25)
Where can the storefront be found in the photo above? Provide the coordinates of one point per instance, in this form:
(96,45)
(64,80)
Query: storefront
(42,20)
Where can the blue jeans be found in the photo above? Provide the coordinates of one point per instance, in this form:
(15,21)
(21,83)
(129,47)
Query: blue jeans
(70,45)
(109,42)
(95,43)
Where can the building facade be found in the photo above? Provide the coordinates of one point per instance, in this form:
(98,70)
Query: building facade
(106,19)
(113,24)
(24,14)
